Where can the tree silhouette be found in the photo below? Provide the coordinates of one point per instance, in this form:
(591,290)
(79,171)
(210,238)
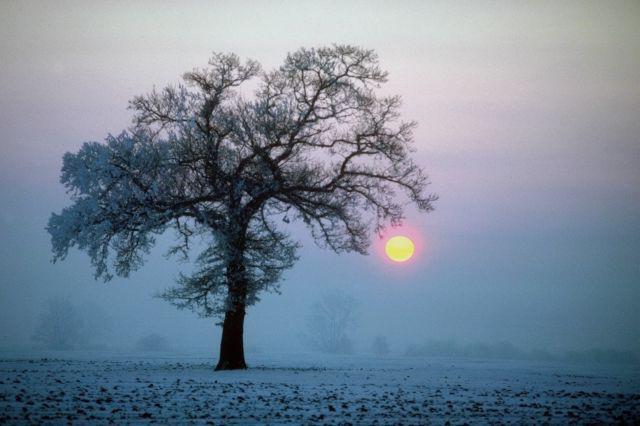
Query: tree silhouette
(314,143)
(380,346)
(330,321)
(60,325)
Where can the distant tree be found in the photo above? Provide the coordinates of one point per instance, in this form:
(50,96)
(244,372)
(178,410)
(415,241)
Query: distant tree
(330,321)
(60,325)
(380,346)
(314,143)
(98,325)
(152,343)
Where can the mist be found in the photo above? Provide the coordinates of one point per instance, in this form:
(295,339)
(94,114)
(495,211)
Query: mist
(528,128)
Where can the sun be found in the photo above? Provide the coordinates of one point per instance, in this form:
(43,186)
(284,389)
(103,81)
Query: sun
(399,248)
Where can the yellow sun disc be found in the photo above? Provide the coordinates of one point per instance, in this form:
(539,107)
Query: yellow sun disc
(399,248)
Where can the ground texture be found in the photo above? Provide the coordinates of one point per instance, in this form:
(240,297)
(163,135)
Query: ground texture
(304,390)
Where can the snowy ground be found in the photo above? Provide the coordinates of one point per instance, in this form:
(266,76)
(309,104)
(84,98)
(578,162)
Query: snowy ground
(309,390)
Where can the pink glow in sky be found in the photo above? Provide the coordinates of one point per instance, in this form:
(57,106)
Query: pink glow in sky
(528,129)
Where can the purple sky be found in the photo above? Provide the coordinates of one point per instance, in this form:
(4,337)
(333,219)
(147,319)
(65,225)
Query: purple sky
(529,124)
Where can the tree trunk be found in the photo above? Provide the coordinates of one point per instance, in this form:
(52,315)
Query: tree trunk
(231,345)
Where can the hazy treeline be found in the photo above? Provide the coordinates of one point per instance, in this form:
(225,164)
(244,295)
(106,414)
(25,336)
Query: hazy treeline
(63,324)
(507,350)
(332,327)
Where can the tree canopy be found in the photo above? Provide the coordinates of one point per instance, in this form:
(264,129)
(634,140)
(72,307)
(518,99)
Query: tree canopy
(314,142)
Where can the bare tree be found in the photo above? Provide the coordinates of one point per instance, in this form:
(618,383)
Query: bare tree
(60,325)
(314,143)
(329,322)
(380,346)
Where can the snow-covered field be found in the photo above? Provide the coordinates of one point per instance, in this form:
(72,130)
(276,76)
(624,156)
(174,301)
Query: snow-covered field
(305,389)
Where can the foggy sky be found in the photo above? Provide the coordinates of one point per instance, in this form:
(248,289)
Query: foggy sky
(529,116)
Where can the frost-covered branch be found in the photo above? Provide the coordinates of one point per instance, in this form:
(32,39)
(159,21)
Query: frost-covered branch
(314,143)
